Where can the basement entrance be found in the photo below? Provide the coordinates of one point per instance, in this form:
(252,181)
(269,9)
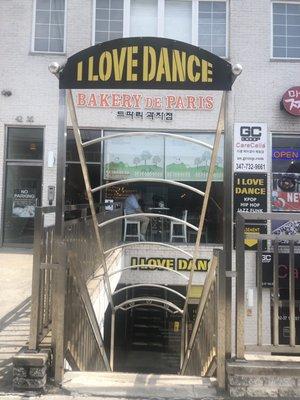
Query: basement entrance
(147,339)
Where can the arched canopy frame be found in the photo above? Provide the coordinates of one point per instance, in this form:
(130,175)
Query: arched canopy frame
(155,215)
(170,246)
(149,180)
(151,285)
(150,266)
(127,308)
(147,133)
(150,301)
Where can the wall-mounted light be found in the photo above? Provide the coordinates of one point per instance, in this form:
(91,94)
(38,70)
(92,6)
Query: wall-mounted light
(32,146)
(6,93)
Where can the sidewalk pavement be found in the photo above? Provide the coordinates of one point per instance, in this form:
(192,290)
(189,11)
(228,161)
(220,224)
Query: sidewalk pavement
(15,290)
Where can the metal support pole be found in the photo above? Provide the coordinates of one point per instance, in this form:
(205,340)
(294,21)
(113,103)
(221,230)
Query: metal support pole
(240,288)
(221,321)
(112,339)
(259,292)
(227,217)
(72,111)
(276,295)
(182,341)
(292,294)
(59,275)
(35,290)
(213,160)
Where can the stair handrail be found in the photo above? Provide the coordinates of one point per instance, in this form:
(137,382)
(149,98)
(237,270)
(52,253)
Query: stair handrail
(214,293)
(88,309)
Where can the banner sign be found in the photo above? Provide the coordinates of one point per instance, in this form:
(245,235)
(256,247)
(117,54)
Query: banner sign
(250,147)
(24,202)
(283,270)
(146,63)
(250,193)
(178,264)
(291,101)
(286,192)
(138,101)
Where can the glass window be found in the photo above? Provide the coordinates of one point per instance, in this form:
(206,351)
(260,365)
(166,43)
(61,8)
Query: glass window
(22,194)
(49,26)
(25,143)
(286,173)
(182,161)
(178,17)
(212,27)
(109,20)
(143,18)
(92,153)
(75,188)
(286,30)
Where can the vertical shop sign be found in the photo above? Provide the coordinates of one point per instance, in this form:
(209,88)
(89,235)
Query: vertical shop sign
(250,147)
(250,193)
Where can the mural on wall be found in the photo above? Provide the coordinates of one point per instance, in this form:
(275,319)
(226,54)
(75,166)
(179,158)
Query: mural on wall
(190,162)
(158,157)
(134,157)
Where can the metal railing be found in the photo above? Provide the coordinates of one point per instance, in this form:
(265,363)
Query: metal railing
(84,345)
(204,350)
(78,257)
(284,241)
(41,293)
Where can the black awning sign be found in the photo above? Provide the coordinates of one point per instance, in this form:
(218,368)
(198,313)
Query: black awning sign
(146,63)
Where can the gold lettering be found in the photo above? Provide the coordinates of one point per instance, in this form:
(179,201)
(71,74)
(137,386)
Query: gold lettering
(163,66)
(105,66)
(149,58)
(207,70)
(91,76)
(79,71)
(178,66)
(119,63)
(131,63)
(193,77)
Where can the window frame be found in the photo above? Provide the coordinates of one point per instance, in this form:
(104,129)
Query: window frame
(23,162)
(126,18)
(33,51)
(272,57)
(161,20)
(226,56)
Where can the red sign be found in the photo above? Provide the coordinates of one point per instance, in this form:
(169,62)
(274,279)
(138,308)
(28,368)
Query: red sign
(291,101)
(139,101)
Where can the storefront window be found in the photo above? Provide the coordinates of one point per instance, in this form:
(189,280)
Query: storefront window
(286,173)
(23,182)
(75,188)
(25,144)
(138,157)
(141,157)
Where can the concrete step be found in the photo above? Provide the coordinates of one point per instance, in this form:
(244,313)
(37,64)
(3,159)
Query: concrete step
(145,386)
